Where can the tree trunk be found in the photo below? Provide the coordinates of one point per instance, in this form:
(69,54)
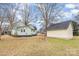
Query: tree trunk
(0,32)
(46,30)
(46,21)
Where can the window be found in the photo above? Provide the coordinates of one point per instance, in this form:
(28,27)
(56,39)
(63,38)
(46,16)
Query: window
(22,30)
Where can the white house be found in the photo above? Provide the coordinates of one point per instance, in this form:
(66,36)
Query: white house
(61,30)
(20,29)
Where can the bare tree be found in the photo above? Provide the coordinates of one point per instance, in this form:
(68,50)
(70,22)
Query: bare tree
(45,10)
(11,14)
(49,12)
(1,20)
(25,13)
(0,27)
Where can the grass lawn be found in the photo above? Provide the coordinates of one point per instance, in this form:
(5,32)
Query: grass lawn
(34,46)
(64,47)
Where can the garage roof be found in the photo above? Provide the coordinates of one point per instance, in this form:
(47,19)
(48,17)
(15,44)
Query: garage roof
(59,26)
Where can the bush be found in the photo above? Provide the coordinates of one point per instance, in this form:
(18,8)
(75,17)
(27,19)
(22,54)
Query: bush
(75,33)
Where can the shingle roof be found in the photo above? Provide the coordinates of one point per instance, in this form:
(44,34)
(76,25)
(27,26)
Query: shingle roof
(59,26)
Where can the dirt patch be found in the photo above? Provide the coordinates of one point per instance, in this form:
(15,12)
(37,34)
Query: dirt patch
(76,37)
(35,45)
(8,37)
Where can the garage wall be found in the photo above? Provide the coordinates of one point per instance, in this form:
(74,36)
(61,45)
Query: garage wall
(70,31)
(57,33)
(67,33)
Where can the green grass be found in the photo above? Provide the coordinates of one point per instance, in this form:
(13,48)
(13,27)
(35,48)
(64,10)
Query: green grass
(64,47)
(72,42)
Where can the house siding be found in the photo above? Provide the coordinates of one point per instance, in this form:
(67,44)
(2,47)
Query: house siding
(65,33)
(18,31)
(27,31)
